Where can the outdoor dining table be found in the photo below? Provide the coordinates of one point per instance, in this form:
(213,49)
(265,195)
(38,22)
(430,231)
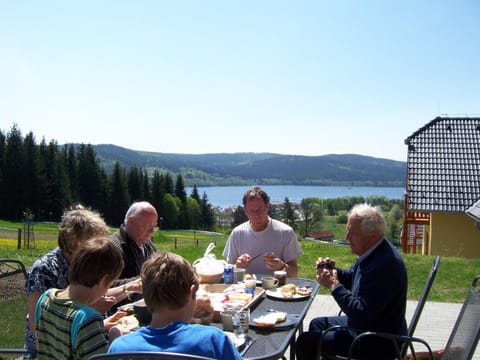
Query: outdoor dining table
(270,343)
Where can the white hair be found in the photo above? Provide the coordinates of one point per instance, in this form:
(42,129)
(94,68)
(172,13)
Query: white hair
(137,208)
(371,218)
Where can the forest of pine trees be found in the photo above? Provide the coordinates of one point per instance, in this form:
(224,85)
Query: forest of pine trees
(46,179)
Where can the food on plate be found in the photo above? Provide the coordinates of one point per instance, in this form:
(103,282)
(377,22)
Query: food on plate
(304,290)
(245,297)
(236,297)
(270,319)
(235,288)
(232,305)
(288,290)
(129,322)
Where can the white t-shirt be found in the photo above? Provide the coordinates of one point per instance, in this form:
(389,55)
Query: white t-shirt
(277,237)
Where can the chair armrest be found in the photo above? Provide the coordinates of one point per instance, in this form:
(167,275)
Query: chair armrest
(395,339)
(331,329)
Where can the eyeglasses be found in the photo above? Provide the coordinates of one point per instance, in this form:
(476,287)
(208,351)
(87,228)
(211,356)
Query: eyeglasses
(150,228)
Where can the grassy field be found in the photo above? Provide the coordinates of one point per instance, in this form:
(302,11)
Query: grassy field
(453,278)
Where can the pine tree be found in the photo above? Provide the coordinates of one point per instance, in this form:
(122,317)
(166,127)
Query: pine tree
(118,196)
(134,184)
(14,175)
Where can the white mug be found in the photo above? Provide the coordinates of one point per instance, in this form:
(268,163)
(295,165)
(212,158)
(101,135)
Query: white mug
(269,282)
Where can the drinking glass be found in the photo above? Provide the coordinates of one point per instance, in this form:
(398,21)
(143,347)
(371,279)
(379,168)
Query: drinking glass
(241,319)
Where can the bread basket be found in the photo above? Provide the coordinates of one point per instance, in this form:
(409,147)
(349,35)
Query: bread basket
(208,268)
(210,279)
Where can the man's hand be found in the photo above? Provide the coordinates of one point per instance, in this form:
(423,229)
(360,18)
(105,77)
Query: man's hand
(272,262)
(326,273)
(243,261)
(326,263)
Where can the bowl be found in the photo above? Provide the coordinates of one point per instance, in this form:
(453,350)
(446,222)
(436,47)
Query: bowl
(210,278)
(143,315)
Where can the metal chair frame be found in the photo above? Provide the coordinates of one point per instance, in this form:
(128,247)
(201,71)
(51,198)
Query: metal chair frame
(464,336)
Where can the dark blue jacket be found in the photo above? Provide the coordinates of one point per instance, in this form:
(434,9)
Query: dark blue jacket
(373,293)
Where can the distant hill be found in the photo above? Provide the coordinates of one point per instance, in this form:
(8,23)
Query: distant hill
(261,168)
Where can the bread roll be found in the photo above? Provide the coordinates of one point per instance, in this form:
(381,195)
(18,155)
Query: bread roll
(203,311)
(288,290)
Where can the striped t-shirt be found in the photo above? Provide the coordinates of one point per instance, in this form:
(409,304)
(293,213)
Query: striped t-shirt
(67,329)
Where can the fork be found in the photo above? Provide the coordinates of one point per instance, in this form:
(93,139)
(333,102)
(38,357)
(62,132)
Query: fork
(262,254)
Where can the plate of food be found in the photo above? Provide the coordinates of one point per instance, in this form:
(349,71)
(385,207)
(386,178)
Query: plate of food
(273,320)
(129,322)
(290,292)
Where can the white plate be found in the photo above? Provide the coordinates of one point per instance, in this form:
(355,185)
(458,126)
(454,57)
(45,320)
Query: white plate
(290,320)
(277,294)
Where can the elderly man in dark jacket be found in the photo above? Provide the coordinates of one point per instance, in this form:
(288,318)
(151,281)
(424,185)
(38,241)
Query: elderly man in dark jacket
(372,293)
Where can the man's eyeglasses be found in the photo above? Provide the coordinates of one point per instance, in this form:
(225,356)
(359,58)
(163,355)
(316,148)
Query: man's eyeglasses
(151,228)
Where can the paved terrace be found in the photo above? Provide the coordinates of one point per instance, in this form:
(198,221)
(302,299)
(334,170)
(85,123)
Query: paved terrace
(435,325)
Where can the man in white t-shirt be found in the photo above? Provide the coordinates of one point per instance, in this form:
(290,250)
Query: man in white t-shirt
(262,245)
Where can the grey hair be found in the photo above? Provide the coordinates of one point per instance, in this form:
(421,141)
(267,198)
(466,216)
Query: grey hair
(137,208)
(371,217)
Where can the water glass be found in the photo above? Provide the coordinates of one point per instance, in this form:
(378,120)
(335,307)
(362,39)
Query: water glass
(241,319)
(250,286)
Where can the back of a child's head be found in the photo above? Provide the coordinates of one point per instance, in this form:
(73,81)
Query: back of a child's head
(94,258)
(167,279)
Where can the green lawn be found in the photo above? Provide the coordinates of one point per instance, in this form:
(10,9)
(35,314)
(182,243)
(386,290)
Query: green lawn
(453,278)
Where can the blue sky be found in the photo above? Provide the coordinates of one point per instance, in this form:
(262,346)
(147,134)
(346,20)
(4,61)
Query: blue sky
(289,77)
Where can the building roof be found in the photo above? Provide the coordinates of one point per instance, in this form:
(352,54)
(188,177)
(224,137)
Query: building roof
(443,165)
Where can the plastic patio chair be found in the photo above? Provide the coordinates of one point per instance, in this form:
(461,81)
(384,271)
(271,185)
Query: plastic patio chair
(406,341)
(147,355)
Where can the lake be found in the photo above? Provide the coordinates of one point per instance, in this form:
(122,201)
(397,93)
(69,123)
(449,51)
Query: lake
(226,196)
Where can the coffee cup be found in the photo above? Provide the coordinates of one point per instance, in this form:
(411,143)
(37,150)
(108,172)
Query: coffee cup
(281,276)
(238,275)
(227,319)
(269,282)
